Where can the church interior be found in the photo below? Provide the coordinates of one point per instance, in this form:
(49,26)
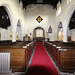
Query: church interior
(37,37)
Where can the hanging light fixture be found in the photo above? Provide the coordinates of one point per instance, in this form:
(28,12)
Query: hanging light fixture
(50,29)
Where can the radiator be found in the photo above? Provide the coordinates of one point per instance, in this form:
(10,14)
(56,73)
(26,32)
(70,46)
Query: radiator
(4,62)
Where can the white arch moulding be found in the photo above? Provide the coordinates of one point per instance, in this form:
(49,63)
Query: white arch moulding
(12,19)
(66,22)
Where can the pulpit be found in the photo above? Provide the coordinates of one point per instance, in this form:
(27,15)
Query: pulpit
(26,38)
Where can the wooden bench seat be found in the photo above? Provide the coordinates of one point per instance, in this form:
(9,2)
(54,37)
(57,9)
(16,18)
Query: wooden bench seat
(17,58)
(66,60)
(64,55)
(18,54)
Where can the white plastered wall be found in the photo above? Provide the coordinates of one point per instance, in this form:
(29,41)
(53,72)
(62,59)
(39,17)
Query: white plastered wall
(28,17)
(46,12)
(66,13)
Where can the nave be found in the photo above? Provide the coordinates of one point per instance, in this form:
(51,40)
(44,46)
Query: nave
(37,58)
(41,64)
(24,22)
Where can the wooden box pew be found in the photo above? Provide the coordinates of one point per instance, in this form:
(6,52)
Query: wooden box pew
(63,47)
(13,45)
(17,55)
(10,43)
(52,51)
(29,51)
(65,56)
(66,60)
(4,41)
(17,58)
(62,43)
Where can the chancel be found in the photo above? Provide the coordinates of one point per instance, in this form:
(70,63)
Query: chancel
(37,37)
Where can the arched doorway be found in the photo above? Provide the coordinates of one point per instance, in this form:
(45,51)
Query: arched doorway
(39,34)
(60,32)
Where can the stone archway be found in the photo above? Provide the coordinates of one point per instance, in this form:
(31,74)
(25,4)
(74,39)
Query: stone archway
(5,23)
(10,15)
(40,28)
(66,22)
(71,29)
(13,21)
(35,34)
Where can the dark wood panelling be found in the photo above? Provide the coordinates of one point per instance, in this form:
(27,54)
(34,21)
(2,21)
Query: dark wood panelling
(64,59)
(19,56)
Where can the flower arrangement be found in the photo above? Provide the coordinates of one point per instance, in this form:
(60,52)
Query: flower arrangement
(26,35)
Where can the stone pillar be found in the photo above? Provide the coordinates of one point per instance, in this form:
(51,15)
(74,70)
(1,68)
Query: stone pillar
(14,36)
(21,37)
(65,35)
(14,29)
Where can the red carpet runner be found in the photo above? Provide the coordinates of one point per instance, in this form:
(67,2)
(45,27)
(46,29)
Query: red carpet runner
(41,63)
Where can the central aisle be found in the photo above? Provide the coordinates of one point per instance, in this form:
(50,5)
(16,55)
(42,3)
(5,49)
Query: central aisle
(41,63)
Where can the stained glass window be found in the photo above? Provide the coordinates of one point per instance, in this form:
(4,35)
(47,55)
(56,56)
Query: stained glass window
(39,33)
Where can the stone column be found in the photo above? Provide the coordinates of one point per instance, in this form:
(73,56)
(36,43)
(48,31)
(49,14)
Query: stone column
(14,36)
(65,35)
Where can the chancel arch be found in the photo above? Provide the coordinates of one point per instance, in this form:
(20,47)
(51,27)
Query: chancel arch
(38,32)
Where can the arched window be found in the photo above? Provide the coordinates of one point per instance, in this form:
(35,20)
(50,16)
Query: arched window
(60,32)
(39,32)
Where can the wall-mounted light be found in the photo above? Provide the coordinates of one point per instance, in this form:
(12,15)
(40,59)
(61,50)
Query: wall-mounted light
(60,25)
(50,29)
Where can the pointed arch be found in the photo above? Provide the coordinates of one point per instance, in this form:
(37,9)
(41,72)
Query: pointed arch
(9,11)
(12,20)
(34,31)
(66,22)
